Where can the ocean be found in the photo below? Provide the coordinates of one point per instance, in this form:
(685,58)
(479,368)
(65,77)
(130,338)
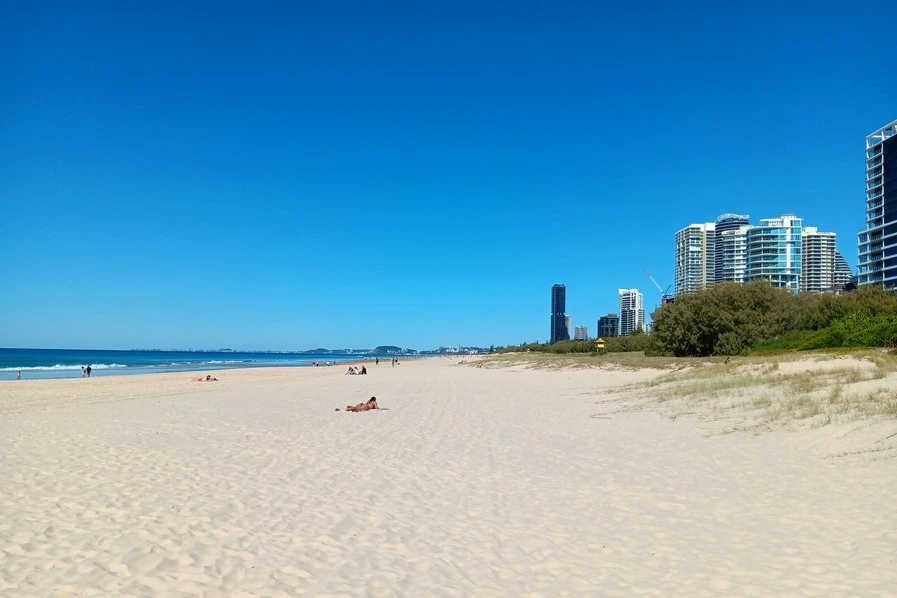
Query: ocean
(67,363)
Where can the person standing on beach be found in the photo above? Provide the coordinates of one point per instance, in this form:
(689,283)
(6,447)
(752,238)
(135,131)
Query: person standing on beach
(18,374)
(88,371)
(83,372)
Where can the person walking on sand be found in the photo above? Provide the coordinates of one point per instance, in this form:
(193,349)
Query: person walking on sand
(18,374)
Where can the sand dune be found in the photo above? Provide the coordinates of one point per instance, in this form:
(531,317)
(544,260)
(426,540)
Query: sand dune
(472,482)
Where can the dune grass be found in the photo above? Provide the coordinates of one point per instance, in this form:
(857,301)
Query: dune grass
(822,391)
(631,360)
(778,389)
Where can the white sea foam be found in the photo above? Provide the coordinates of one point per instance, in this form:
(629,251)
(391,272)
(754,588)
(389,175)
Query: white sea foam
(64,368)
(192,363)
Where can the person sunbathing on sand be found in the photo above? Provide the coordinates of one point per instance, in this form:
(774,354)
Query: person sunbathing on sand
(207,379)
(370,404)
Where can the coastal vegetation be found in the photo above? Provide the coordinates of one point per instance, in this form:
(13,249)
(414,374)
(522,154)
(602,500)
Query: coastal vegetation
(626,360)
(755,318)
(615,344)
(750,319)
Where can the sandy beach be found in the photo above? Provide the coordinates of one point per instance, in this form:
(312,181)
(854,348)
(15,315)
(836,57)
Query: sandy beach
(468,482)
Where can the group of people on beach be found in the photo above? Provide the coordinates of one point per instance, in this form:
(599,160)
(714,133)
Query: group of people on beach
(366,406)
(85,371)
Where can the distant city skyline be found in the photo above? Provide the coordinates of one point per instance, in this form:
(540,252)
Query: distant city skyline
(781,250)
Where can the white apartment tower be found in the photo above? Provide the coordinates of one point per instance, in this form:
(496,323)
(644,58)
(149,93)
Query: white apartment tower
(843,273)
(695,257)
(878,241)
(731,251)
(818,269)
(632,311)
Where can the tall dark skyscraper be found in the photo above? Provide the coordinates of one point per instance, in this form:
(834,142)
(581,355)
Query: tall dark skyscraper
(878,243)
(609,325)
(558,319)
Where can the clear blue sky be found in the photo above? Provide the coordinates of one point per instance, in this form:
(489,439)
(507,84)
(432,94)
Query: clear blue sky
(295,175)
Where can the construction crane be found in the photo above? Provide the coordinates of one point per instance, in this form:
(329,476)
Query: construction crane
(665,296)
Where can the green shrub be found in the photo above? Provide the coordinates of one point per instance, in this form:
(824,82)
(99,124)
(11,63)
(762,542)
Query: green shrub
(730,319)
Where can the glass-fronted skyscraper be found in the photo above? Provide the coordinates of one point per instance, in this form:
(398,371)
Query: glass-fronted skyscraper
(774,250)
(632,311)
(558,317)
(877,255)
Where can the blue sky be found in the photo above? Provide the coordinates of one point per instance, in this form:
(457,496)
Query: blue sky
(295,175)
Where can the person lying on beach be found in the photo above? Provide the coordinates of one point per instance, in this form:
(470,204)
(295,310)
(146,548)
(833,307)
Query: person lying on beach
(207,379)
(367,406)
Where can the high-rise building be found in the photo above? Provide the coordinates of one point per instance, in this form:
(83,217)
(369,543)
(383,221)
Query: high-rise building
(695,257)
(581,334)
(609,325)
(877,255)
(730,259)
(558,317)
(774,249)
(731,249)
(843,273)
(568,324)
(818,260)
(632,311)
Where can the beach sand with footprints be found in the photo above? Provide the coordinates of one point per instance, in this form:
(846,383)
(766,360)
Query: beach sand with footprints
(514,479)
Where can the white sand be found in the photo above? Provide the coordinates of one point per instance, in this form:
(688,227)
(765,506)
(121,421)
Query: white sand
(474,482)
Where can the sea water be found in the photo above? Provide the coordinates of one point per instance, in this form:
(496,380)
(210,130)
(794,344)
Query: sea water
(67,363)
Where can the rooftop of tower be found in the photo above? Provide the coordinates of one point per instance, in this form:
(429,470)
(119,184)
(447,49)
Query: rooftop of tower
(728,217)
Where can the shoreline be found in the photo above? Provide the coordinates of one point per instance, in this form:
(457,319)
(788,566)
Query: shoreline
(54,373)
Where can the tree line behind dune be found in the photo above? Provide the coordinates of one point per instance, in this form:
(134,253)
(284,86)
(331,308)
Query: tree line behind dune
(751,318)
(734,319)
